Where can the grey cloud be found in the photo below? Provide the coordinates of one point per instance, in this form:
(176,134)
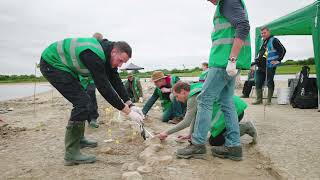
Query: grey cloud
(167,32)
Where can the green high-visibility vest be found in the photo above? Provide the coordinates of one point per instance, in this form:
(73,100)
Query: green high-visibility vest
(203,75)
(85,81)
(195,88)
(222,38)
(135,86)
(64,55)
(217,120)
(166,103)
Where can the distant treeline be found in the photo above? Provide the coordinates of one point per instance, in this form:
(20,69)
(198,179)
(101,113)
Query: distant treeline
(309,61)
(20,78)
(288,67)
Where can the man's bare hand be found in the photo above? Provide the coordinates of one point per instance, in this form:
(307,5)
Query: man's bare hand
(162,136)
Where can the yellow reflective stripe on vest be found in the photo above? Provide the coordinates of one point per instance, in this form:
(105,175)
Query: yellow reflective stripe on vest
(73,45)
(224,41)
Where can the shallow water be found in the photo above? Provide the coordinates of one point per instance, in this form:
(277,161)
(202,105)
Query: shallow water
(12,91)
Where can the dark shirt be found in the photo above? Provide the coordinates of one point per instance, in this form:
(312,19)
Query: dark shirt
(234,11)
(106,78)
(281,50)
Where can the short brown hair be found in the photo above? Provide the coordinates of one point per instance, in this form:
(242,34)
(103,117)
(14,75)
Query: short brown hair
(205,64)
(264,28)
(123,46)
(181,86)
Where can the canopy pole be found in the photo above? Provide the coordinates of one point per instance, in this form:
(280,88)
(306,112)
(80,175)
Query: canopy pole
(318,100)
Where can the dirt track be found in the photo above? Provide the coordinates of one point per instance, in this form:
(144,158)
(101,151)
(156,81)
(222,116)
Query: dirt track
(37,151)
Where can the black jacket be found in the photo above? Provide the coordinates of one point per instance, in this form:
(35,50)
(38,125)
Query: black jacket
(106,78)
(260,61)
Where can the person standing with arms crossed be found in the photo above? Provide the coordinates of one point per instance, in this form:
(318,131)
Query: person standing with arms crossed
(230,52)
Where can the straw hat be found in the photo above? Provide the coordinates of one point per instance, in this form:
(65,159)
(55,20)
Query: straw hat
(157,75)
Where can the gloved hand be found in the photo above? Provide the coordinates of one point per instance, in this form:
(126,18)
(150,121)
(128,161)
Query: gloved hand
(136,117)
(231,68)
(140,99)
(137,110)
(171,96)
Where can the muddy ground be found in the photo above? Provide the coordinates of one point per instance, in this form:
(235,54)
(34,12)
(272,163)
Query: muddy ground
(32,144)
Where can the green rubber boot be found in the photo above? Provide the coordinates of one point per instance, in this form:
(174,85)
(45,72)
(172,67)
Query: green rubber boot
(72,145)
(93,123)
(270,94)
(248,128)
(84,142)
(259,97)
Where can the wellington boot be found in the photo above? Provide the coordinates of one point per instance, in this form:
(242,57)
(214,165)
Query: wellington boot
(270,94)
(84,142)
(248,128)
(259,97)
(73,135)
(93,123)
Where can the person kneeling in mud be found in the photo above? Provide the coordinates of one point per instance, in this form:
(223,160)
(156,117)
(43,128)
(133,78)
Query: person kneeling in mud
(186,93)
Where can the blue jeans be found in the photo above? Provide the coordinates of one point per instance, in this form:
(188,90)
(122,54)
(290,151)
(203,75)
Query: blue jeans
(219,86)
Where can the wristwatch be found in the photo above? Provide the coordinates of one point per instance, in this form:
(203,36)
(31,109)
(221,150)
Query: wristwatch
(232,59)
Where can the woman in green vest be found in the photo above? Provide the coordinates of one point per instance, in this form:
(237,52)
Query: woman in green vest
(62,62)
(187,93)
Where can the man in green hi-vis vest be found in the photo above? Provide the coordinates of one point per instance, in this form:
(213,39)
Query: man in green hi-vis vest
(172,109)
(188,93)
(230,52)
(204,73)
(134,88)
(62,62)
(90,88)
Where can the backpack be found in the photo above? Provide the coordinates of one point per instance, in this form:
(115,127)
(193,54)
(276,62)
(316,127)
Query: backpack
(305,95)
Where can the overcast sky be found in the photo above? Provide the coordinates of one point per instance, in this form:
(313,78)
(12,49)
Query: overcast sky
(163,34)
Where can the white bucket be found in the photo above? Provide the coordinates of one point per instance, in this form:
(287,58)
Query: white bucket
(283,95)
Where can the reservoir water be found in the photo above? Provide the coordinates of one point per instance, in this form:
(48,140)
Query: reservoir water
(12,91)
